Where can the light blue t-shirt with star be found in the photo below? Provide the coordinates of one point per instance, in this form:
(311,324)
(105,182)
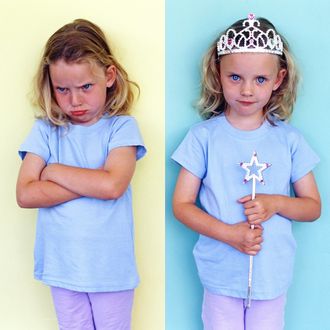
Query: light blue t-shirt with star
(85,244)
(213,151)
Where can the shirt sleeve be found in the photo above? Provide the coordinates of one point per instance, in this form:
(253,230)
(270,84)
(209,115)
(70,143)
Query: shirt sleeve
(304,159)
(192,153)
(126,133)
(37,141)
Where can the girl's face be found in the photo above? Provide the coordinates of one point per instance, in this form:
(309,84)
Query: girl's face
(248,80)
(80,89)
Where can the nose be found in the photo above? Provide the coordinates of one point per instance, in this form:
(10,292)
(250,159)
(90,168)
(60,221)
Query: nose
(247,88)
(75,99)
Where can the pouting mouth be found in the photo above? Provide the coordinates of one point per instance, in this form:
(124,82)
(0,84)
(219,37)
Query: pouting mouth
(78,112)
(246,102)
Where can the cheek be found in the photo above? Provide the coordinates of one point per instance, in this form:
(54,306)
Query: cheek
(223,86)
(100,96)
(228,91)
(229,87)
(58,98)
(266,95)
(62,101)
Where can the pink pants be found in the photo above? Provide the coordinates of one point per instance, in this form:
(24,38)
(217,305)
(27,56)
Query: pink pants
(227,313)
(90,311)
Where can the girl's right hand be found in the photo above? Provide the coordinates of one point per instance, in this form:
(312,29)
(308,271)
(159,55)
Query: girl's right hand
(245,239)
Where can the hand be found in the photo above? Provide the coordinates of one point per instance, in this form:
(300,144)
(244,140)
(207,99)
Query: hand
(259,209)
(245,239)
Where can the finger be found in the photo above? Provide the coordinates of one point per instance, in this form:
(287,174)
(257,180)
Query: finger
(257,235)
(251,215)
(245,199)
(256,231)
(255,222)
(254,251)
(258,240)
(259,227)
(249,204)
(257,248)
(249,211)
(258,216)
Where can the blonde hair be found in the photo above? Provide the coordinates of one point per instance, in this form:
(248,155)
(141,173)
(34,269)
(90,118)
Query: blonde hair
(76,42)
(280,105)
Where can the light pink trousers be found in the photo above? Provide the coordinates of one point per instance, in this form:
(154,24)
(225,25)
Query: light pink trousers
(228,313)
(93,311)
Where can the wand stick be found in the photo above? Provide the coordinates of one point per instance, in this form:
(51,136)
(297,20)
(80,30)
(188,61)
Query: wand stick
(253,172)
(248,299)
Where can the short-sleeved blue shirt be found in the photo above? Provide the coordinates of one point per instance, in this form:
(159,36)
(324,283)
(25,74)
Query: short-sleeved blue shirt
(85,244)
(212,151)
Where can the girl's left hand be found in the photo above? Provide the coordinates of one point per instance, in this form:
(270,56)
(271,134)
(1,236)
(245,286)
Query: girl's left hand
(259,209)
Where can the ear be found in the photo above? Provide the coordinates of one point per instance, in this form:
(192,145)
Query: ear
(111,75)
(280,76)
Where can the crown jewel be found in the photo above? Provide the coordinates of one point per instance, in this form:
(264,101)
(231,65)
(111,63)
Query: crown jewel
(251,39)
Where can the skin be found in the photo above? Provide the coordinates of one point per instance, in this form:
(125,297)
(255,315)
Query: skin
(248,81)
(80,91)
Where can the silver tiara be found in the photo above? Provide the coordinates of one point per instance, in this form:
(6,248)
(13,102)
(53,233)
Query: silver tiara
(251,39)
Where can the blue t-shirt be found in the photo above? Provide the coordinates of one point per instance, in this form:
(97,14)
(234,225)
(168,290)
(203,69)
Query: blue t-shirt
(212,151)
(85,244)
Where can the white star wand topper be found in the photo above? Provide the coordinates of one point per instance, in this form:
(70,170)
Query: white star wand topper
(254,171)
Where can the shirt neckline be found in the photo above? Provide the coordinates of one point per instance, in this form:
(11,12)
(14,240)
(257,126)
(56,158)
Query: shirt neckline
(91,128)
(244,134)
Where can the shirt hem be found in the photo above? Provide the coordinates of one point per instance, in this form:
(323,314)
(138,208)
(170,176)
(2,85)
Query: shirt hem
(243,294)
(87,288)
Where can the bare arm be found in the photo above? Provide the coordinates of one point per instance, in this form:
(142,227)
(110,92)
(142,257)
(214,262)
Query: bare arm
(31,192)
(239,236)
(305,206)
(110,182)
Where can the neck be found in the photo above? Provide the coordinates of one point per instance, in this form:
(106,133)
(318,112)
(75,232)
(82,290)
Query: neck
(245,123)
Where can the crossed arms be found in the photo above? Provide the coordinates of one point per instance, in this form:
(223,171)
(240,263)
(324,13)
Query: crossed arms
(39,185)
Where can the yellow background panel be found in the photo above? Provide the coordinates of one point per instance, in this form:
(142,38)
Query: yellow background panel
(135,30)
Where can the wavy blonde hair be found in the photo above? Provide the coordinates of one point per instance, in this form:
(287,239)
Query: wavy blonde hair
(77,42)
(280,105)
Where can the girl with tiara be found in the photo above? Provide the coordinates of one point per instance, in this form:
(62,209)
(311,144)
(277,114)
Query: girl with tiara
(78,161)
(248,91)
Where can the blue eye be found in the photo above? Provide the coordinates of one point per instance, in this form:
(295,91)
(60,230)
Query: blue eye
(86,87)
(61,90)
(261,80)
(235,77)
